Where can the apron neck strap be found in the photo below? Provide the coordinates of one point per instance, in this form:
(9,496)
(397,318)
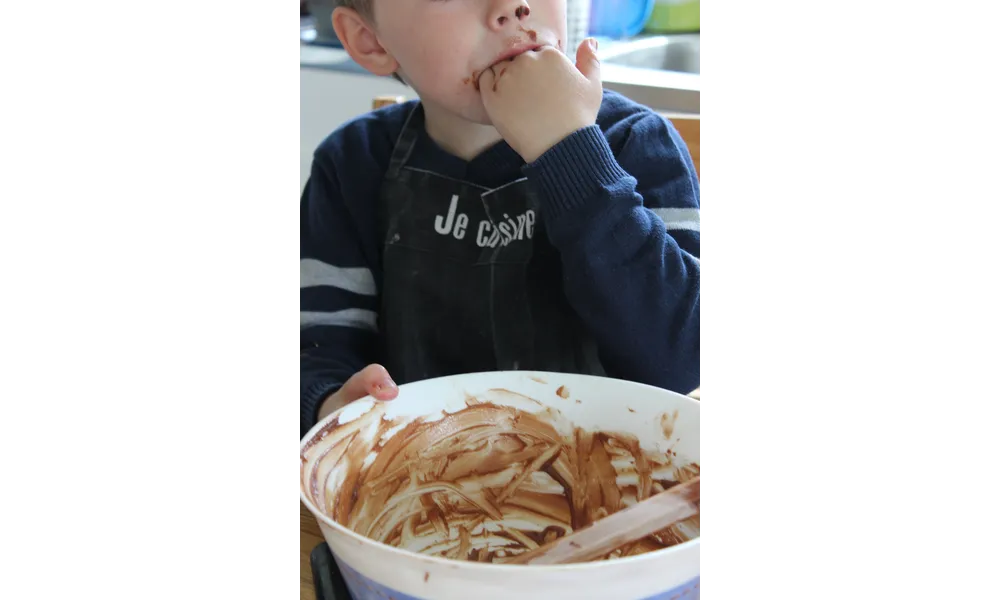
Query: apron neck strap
(406,141)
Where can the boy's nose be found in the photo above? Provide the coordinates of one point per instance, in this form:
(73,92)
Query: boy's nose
(509,10)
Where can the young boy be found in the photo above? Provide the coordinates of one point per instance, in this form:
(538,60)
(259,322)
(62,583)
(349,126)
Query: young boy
(517,217)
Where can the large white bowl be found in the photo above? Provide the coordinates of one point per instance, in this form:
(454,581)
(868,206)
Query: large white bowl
(376,571)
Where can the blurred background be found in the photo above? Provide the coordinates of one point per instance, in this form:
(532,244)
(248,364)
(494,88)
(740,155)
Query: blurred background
(650,52)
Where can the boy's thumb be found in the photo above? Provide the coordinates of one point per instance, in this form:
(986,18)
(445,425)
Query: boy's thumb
(373,380)
(587,61)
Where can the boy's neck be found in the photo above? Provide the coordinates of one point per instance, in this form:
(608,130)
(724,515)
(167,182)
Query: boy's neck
(457,136)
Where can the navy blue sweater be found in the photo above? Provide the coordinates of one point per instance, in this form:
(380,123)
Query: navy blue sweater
(620,202)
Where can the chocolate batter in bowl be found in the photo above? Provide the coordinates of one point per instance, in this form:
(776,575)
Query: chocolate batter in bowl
(429,495)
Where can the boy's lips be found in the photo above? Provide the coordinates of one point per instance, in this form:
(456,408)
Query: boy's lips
(516,46)
(514,51)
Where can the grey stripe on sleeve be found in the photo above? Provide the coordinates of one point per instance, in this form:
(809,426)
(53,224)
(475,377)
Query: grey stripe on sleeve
(680,218)
(313,273)
(358,318)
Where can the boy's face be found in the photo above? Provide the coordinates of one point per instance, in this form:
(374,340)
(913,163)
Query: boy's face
(443,45)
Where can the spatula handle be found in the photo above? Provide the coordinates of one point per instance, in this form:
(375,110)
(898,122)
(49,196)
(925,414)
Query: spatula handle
(634,523)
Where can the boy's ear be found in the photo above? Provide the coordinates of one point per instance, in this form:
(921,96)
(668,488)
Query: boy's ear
(358,38)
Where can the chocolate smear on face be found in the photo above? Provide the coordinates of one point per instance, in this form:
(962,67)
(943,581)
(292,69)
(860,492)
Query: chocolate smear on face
(497,80)
(473,79)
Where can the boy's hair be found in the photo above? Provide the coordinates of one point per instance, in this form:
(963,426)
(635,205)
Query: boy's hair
(366,9)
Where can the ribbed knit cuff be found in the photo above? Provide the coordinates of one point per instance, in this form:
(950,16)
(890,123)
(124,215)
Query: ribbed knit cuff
(569,173)
(309,404)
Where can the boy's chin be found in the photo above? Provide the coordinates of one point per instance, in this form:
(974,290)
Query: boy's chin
(468,108)
(477,114)
(473,112)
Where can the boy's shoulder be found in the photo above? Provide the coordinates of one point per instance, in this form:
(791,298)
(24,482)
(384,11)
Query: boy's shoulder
(363,145)
(619,115)
(367,138)
(376,131)
(616,108)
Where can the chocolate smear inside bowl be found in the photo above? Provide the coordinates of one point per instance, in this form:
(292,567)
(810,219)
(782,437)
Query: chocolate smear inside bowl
(485,482)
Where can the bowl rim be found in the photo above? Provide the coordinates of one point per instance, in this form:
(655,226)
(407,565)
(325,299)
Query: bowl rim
(446,562)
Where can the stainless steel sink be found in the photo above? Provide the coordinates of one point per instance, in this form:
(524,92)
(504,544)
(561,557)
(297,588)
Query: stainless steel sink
(679,53)
(660,71)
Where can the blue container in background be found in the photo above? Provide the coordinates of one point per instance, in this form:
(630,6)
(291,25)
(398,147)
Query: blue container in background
(618,19)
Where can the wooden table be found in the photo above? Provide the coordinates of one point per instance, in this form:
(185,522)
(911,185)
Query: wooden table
(310,536)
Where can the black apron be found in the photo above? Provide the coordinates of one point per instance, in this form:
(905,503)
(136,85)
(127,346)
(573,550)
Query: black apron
(470,280)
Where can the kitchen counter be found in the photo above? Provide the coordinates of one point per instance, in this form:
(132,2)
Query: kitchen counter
(309,537)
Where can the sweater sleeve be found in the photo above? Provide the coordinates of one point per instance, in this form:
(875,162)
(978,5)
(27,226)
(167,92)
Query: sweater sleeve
(337,294)
(627,229)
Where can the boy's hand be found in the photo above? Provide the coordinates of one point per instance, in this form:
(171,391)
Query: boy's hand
(373,380)
(539,98)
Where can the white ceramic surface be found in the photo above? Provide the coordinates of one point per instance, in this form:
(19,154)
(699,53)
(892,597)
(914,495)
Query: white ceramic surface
(375,570)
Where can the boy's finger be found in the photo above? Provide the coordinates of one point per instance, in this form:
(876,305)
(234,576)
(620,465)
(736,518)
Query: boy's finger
(373,380)
(378,383)
(587,61)
(486,79)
